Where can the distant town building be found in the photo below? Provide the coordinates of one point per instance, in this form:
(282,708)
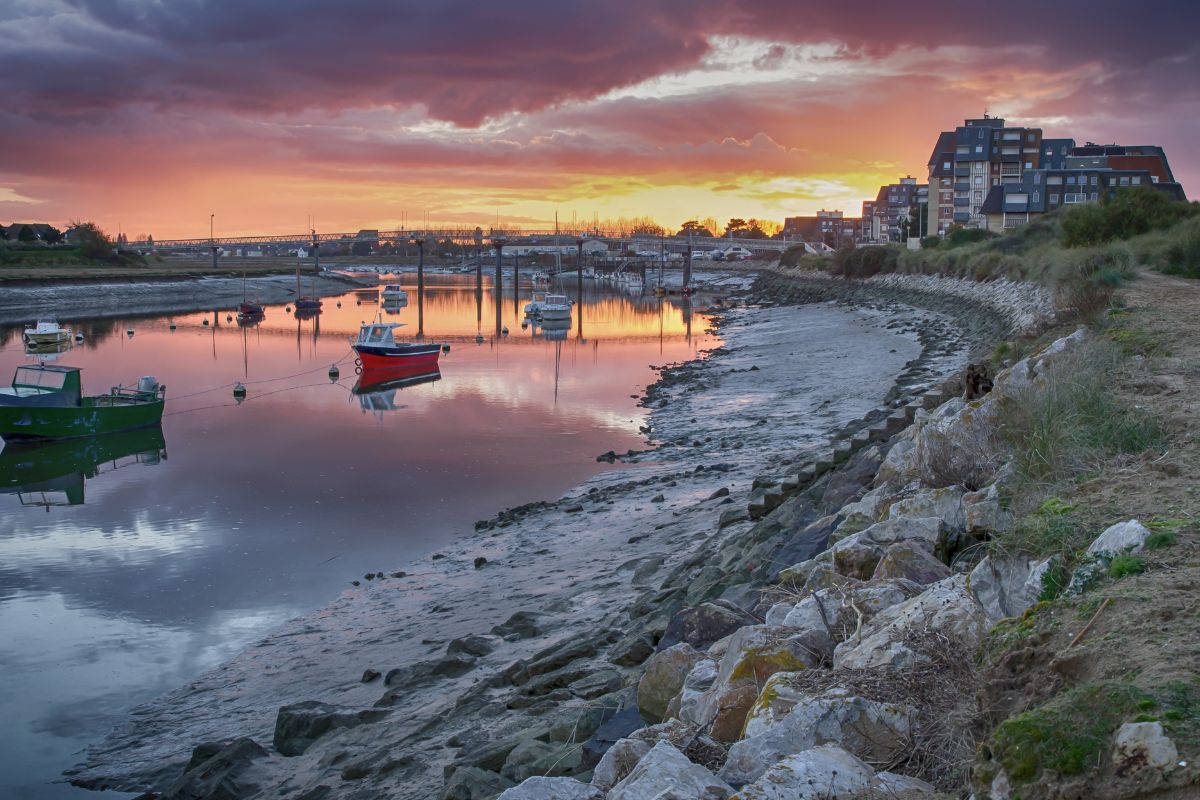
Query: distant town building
(39,231)
(941,185)
(895,207)
(832,228)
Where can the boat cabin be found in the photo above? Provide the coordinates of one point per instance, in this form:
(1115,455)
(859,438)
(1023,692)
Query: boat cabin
(378,334)
(45,385)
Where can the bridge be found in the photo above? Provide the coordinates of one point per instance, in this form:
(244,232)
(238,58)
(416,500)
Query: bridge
(561,238)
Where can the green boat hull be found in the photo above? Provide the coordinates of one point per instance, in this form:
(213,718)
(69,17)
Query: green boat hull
(21,423)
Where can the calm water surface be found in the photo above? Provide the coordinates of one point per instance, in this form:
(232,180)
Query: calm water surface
(130,565)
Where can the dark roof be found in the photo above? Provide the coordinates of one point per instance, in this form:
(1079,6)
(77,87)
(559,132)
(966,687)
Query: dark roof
(944,146)
(994,202)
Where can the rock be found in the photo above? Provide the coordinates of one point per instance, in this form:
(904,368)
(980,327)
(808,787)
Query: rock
(704,624)
(1124,537)
(698,681)
(533,757)
(839,612)
(857,555)
(620,725)
(755,653)
(808,543)
(722,492)
(945,504)
(618,762)
(731,515)
(552,789)
(473,645)
(666,769)
(371,675)
(946,607)
(599,683)
(631,650)
(219,771)
(480,561)
(298,725)
(900,464)
(1141,745)
(797,574)
(863,514)
(663,679)
(1007,587)
(914,563)
(982,511)
(492,754)
(472,783)
(847,482)
(521,625)
(821,773)
(677,733)
(956,443)
(876,732)
(777,613)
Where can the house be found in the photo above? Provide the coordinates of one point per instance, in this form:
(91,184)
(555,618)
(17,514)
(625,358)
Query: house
(1011,205)
(40,231)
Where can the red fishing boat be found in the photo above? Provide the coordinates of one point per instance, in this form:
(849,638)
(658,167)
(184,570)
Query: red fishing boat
(378,349)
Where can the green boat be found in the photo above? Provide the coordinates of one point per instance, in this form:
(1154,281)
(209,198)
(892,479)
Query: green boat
(46,402)
(54,473)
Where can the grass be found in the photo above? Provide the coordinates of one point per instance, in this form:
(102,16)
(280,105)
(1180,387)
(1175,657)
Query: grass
(1124,565)
(1160,540)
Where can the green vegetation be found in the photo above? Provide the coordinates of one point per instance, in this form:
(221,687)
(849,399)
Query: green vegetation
(1160,540)
(1124,565)
(1068,734)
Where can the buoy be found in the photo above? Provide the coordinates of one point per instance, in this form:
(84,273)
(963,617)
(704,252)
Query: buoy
(445,348)
(339,304)
(229,317)
(333,372)
(173,326)
(79,337)
(524,325)
(205,323)
(239,391)
(479,338)
(504,330)
(288,309)
(358,302)
(129,332)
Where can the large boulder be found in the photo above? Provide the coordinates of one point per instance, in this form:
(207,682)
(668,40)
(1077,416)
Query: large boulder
(298,725)
(663,679)
(534,757)
(1007,587)
(945,504)
(666,769)
(947,607)
(542,788)
(863,514)
(910,562)
(876,732)
(1142,745)
(704,624)
(618,762)
(695,685)
(620,725)
(984,513)
(956,444)
(220,771)
(839,612)
(1124,537)
(755,653)
(821,773)
(857,555)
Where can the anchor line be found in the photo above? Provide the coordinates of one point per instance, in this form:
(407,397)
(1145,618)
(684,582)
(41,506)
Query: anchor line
(349,355)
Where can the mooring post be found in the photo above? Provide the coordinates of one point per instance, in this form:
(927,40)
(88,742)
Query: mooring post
(498,243)
(420,243)
(579,269)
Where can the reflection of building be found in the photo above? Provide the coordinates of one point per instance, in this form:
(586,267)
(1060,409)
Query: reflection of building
(53,473)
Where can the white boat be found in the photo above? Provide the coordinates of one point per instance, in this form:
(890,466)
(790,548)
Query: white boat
(47,331)
(534,307)
(557,306)
(393,292)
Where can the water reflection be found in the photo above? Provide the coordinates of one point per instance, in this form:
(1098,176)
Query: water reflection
(268,508)
(53,473)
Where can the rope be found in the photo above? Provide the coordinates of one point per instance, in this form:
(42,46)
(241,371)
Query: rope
(343,360)
(247,399)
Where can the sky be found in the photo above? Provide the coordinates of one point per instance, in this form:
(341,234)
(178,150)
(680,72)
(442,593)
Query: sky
(148,116)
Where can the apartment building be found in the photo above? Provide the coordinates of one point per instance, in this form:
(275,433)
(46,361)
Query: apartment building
(832,228)
(988,153)
(941,185)
(896,205)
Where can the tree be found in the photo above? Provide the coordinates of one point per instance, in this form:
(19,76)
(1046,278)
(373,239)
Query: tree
(92,242)
(696,228)
(361,249)
(52,236)
(26,234)
(647,229)
(736,227)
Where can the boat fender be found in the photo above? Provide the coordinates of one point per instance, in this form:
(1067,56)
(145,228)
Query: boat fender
(358,362)
(445,348)
(334,373)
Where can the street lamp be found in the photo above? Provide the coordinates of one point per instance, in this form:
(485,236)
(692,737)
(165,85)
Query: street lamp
(210,226)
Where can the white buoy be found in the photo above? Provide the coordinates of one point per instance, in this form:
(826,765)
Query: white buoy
(79,337)
(129,332)
(239,390)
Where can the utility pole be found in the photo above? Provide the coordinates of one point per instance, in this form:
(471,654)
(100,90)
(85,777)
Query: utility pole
(212,242)
(420,243)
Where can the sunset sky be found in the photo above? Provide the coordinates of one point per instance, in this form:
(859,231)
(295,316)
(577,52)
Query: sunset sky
(153,114)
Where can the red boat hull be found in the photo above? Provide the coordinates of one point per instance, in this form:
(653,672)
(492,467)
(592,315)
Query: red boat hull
(379,358)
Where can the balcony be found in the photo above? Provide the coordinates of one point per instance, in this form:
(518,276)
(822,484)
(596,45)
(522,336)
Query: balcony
(962,170)
(964,186)
(962,216)
(962,201)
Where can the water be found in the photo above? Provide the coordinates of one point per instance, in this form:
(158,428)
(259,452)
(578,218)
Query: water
(128,566)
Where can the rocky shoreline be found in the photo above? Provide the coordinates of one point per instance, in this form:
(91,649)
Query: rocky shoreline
(675,589)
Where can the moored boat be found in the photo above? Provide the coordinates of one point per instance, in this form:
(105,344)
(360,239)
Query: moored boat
(47,331)
(557,306)
(47,402)
(535,304)
(393,292)
(377,348)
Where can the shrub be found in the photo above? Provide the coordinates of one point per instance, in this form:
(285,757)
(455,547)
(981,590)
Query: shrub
(1130,212)
(1157,541)
(1123,565)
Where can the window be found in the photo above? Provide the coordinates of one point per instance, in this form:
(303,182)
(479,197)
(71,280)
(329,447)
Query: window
(945,165)
(1053,199)
(1037,177)
(1054,180)
(1037,197)
(978,197)
(1028,165)
(981,133)
(1095,180)
(1095,196)
(1031,137)
(1071,180)
(978,148)
(1124,180)
(1136,180)
(979,180)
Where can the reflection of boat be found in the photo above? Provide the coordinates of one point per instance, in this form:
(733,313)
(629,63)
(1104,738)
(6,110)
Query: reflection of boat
(53,473)
(47,331)
(307,312)
(392,292)
(250,320)
(47,351)
(557,306)
(556,329)
(376,348)
(388,379)
(47,402)
(393,307)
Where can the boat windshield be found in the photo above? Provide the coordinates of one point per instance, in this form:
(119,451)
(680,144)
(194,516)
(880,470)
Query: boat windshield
(40,378)
(377,333)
